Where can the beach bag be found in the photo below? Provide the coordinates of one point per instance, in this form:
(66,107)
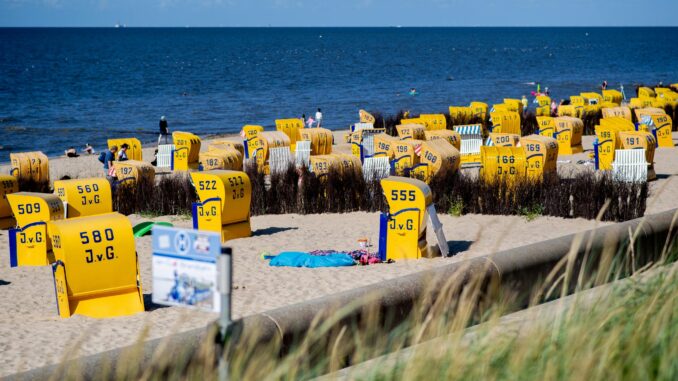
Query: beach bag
(102,157)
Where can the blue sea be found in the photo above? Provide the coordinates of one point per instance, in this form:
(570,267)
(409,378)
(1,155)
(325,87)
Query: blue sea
(68,87)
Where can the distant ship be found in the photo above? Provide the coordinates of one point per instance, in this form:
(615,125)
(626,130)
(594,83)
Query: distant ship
(118,25)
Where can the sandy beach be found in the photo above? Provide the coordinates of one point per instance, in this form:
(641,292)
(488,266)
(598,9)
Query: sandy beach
(32,335)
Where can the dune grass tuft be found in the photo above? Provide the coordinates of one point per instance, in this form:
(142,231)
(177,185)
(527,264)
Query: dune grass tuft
(625,330)
(673,113)
(388,122)
(580,196)
(528,124)
(169,195)
(591,120)
(34,186)
(299,191)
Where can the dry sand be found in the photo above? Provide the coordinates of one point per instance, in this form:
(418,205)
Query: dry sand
(32,335)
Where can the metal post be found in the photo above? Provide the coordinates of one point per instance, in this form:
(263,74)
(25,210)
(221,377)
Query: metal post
(224,286)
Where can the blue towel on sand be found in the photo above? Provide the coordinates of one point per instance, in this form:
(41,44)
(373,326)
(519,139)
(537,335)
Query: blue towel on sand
(302,259)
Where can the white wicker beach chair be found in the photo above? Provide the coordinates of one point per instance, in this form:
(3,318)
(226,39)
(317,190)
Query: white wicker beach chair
(629,165)
(280,159)
(368,145)
(164,156)
(361,126)
(376,168)
(302,153)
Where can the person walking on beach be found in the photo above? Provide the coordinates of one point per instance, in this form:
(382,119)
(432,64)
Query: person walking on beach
(109,159)
(164,131)
(122,154)
(309,122)
(554,108)
(604,85)
(318,117)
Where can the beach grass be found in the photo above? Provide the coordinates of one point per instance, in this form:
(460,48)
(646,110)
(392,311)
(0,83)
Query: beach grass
(628,336)
(528,124)
(626,331)
(462,120)
(300,191)
(673,113)
(579,195)
(389,122)
(531,212)
(456,208)
(168,195)
(591,120)
(29,185)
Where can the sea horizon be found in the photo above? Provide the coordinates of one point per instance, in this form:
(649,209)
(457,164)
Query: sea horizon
(65,86)
(341,27)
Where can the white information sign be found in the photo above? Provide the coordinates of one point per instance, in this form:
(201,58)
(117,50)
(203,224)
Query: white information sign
(185,268)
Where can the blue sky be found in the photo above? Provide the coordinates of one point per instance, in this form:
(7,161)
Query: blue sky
(339,12)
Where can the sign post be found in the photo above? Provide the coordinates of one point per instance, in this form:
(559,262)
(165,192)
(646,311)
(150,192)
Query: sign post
(191,269)
(225,265)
